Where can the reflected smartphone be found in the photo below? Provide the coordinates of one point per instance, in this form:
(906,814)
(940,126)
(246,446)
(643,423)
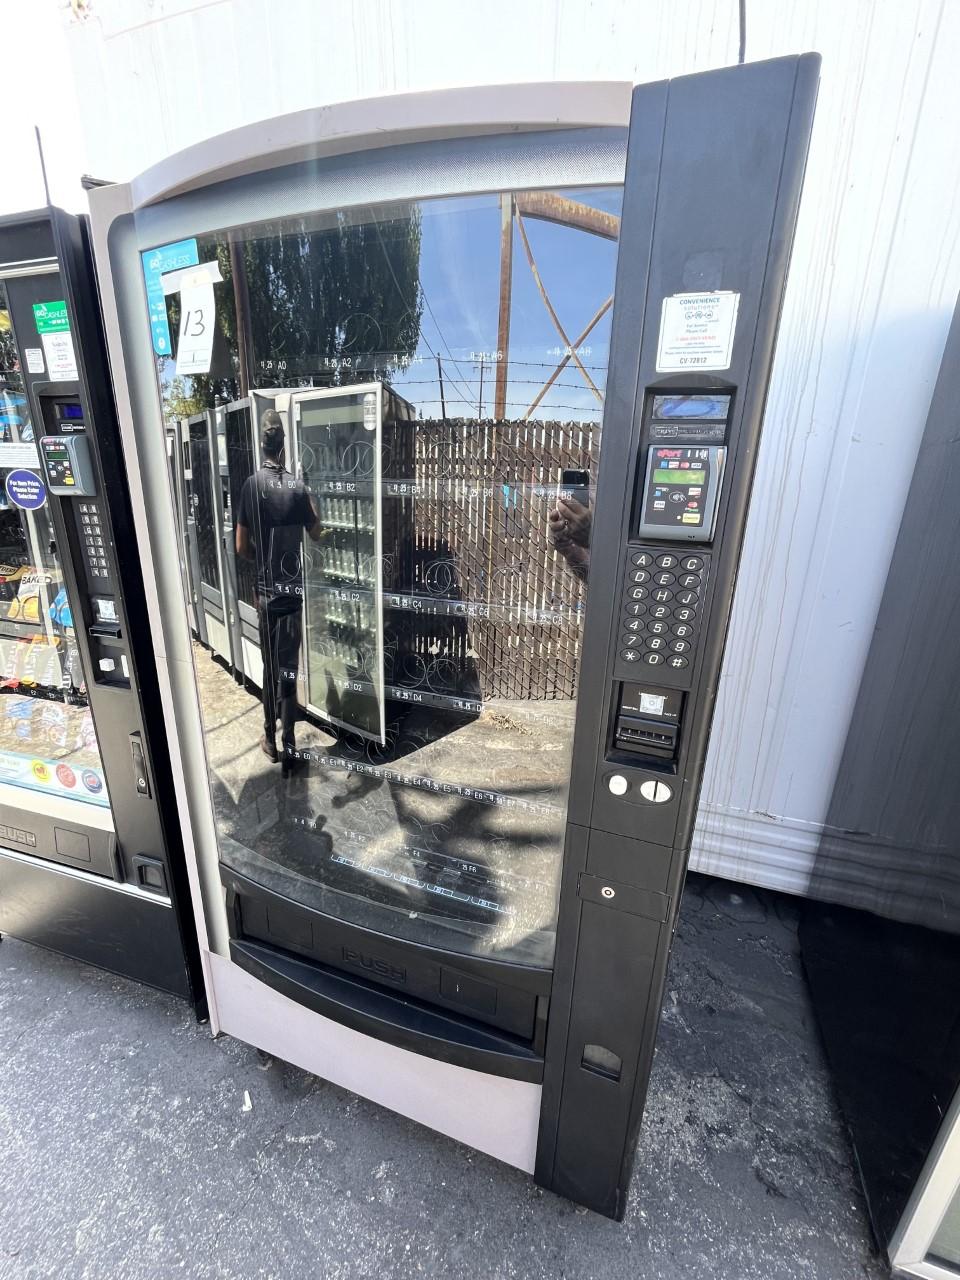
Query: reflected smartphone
(575,484)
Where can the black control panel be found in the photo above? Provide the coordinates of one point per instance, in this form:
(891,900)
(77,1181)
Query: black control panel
(699,291)
(66,459)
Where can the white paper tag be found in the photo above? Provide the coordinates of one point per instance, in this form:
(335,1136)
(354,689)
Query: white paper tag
(696,331)
(195,344)
(198,314)
(61,357)
(34,359)
(19,453)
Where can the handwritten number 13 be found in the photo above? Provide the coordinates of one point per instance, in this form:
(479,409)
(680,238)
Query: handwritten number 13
(199,328)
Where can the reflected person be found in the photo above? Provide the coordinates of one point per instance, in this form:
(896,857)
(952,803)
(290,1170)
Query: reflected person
(274,512)
(568,530)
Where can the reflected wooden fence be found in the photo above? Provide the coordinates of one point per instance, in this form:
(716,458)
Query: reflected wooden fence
(482,491)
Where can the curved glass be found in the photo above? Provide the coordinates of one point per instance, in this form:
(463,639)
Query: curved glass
(411,397)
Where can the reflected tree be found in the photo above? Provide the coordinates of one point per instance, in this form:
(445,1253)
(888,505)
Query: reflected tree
(322,306)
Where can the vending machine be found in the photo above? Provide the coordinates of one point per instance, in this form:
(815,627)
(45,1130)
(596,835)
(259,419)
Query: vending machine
(91,860)
(522,337)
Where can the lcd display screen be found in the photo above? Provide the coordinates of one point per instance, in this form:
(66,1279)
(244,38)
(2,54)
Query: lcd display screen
(710,407)
(679,477)
(69,412)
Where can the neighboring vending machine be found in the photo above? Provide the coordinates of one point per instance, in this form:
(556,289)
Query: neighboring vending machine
(488,541)
(90,864)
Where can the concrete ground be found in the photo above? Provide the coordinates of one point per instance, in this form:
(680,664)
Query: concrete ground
(132,1145)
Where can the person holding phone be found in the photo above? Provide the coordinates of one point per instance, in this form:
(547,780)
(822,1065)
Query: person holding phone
(569,523)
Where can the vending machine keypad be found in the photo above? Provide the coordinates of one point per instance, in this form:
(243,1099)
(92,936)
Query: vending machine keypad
(662,598)
(93,540)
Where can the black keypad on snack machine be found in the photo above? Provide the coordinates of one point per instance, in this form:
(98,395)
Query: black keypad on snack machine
(660,610)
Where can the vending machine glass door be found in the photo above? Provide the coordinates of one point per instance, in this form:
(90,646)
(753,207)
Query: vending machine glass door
(397,756)
(48,743)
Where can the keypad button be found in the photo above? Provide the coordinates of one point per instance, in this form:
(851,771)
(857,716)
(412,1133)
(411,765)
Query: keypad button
(631,655)
(679,646)
(658,628)
(655,642)
(667,560)
(690,580)
(631,641)
(677,661)
(660,611)
(635,624)
(684,614)
(691,564)
(635,610)
(653,659)
(687,597)
(638,576)
(637,593)
(662,595)
(664,579)
(682,630)
(642,559)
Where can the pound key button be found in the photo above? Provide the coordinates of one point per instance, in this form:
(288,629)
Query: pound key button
(677,661)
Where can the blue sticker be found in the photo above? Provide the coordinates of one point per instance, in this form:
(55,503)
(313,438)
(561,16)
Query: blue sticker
(25,489)
(10,420)
(156,263)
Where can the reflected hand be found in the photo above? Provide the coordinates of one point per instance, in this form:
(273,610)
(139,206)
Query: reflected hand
(570,521)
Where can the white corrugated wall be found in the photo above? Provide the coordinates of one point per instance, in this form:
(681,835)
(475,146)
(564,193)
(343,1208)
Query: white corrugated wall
(875,275)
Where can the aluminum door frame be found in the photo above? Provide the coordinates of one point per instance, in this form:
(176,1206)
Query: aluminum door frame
(212,596)
(248,662)
(185,542)
(226,542)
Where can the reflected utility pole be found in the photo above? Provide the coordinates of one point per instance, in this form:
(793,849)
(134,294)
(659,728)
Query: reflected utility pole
(443,403)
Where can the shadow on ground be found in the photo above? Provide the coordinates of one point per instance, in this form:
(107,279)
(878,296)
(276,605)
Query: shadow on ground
(127,1150)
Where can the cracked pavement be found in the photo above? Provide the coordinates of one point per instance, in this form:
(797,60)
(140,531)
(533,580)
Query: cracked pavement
(128,1151)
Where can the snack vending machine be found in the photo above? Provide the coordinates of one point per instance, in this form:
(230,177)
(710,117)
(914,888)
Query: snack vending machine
(90,866)
(519,344)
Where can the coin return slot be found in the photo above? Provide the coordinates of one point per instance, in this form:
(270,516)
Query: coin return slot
(646,736)
(601,1061)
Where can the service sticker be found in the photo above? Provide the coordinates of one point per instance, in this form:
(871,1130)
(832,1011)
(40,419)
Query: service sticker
(696,332)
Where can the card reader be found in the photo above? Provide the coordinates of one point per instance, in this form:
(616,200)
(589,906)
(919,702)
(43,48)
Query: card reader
(67,466)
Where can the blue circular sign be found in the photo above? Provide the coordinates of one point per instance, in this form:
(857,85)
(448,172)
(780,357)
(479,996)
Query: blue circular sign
(25,489)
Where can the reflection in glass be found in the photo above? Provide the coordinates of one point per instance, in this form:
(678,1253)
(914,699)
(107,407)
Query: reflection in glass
(437,367)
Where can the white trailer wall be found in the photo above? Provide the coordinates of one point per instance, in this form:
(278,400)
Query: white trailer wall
(876,272)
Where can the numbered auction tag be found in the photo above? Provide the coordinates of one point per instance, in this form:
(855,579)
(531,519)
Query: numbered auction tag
(198,315)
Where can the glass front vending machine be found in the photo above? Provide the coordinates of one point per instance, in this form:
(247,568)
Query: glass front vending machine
(464,416)
(89,864)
